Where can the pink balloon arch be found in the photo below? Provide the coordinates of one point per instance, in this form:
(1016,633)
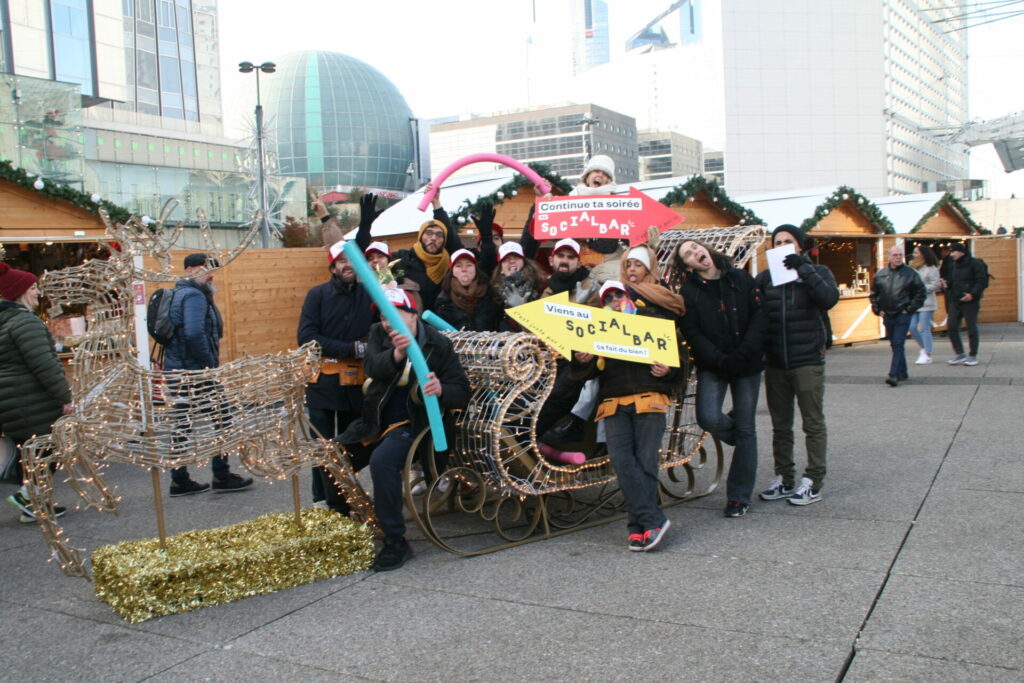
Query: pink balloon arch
(528,172)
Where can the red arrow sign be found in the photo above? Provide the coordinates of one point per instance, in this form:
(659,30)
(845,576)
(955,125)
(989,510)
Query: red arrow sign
(614,216)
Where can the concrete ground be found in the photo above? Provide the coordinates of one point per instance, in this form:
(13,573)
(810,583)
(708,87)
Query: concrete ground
(910,569)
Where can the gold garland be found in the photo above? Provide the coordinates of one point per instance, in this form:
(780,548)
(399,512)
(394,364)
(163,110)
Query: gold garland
(213,566)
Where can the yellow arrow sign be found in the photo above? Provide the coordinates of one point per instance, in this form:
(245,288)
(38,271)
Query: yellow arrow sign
(569,327)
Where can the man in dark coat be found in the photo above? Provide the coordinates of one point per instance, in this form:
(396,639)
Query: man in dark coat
(337,315)
(896,294)
(795,347)
(198,328)
(964,282)
(394,414)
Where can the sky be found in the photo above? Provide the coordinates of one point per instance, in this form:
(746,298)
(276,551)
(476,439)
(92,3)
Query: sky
(451,57)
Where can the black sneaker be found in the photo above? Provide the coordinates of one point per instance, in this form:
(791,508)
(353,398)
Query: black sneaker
(21,501)
(891,380)
(569,431)
(231,483)
(635,542)
(187,488)
(735,508)
(652,537)
(393,555)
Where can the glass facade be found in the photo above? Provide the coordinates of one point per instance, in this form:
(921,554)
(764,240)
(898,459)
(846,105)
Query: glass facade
(41,128)
(337,121)
(72,51)
(591,45)
(160,58)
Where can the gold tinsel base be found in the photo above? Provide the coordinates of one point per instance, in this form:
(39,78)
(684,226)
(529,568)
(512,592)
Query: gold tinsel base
(210,566)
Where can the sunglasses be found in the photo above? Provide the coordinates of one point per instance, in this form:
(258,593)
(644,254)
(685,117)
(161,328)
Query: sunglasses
(613,295)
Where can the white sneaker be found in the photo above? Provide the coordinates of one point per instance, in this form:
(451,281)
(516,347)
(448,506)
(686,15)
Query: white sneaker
(923,358)
(971,360)
(805,495)
(959,359)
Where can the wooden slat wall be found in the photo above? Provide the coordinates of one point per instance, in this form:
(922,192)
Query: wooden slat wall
(1000,301)
(944,223)
(701,212)
(260,294)
(29,215)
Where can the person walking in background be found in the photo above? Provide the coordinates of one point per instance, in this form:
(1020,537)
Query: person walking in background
(34,392)
(926,264)
(724,325)
(966,281)
(896,294)
(795,349)
(196,346)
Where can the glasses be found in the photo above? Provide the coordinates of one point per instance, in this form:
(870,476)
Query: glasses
(613,295)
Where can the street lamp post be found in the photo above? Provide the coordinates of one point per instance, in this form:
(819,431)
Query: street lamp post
(267,68)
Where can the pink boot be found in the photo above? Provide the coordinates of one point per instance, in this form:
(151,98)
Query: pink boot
(564,457)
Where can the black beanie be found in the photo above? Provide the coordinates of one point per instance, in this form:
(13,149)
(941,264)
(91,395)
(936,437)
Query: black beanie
(796,232)
(957,246)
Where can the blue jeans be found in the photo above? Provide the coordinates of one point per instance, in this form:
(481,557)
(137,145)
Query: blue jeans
(386,465)
(896,327)
(921,330)
(737,428)
(634,442)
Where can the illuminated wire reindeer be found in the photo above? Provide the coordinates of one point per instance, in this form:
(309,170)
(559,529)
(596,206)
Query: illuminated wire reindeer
(251,407)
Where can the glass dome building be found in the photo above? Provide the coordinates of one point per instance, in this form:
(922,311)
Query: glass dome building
(337,121)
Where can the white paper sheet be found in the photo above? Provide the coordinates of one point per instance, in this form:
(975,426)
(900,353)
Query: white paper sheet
(780,273)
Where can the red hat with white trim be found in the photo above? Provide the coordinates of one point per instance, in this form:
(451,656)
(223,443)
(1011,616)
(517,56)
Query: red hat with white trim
(401,299)
(611,285)
(462,253)
(508,248)
(567,243)
(336,250)
(379,247)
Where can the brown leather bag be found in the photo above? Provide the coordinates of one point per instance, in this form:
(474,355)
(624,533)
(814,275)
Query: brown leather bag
(349,370)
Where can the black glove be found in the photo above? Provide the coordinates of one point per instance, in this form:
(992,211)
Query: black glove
(794,261)
(485,222)
(368,209)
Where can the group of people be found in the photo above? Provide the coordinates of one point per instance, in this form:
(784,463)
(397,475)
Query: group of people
(905,297)
(736,327)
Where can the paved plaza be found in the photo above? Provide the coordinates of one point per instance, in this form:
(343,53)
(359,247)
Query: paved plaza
(911,568)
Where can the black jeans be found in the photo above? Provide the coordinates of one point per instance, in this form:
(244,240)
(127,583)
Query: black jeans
(329,423)
(386,465)
(206,391)
(958,311)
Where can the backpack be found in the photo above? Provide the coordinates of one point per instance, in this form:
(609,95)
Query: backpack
(985,276)
(158,316)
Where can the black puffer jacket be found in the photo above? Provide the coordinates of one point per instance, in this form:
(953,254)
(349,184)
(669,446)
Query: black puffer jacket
(797,335)
(335,315)
(725,329)
(966,276)
(486,318)
(33,389)
(384,374)
(897,291)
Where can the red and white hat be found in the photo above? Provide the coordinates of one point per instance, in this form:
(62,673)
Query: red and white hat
(508,248)
(567,243)
(380,247)
(336,250)
(401,299)
(611,285)
(462,253)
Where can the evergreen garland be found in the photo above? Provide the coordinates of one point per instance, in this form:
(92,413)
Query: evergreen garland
(510,189)
(681,193)
(842,194)
(66,193)
(973,228)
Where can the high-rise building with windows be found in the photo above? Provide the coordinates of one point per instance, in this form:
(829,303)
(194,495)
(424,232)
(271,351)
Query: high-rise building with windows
(122,98)
(562,138)
(835,92)
(591,42)
(668,155)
